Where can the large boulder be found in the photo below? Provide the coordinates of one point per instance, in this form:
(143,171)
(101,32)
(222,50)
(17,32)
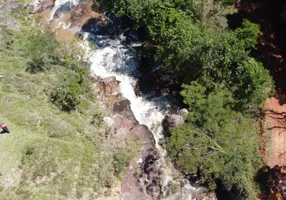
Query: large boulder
(110,88)
(110,85)
(171,121)
(123,107)
(141,181)
(82,13)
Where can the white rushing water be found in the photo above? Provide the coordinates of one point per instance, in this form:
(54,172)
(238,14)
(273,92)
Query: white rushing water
(113,57)
(62,6)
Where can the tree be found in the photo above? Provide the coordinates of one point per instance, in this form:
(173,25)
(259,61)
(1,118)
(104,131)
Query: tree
(248,34)
(218,138)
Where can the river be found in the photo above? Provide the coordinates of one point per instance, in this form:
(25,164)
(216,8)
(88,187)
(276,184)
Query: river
(115,55)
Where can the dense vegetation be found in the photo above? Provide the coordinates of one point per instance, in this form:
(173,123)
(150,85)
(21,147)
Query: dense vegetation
(56,149)
(223,86)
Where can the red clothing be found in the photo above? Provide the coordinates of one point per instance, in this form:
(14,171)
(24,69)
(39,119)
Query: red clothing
(3,126)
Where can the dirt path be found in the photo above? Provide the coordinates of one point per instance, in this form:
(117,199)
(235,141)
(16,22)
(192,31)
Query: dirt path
(271,51)
(275,129)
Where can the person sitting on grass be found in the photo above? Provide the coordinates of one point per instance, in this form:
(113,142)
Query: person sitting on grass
(4,128)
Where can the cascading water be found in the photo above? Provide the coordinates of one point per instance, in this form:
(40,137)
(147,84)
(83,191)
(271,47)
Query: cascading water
(62,6)
(117,57)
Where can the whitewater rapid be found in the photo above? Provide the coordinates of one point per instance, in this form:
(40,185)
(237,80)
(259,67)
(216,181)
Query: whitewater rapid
(117,57)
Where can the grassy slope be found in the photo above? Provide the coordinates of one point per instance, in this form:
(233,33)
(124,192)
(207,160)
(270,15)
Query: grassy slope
(49,154)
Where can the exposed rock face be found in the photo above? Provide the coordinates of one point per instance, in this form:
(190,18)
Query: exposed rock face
(6,20)
(123,107)
(82,13)
(141,180)
(171,121)
(110,86)
(111,90)
(10,5)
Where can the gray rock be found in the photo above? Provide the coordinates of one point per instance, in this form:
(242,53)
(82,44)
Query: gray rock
(142,179)
(174,120)
(123,107)
(8,22)
(42,5)
(108,122)
(183,111)
(171,121)
(110,86)
(10,5)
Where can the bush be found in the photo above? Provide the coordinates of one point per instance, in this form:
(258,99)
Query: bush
(66,93)
(122,159)
(41,50)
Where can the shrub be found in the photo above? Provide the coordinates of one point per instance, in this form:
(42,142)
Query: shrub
(122,159)
(66,93)
(41,50)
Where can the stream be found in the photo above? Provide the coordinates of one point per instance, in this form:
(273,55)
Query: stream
(115,55)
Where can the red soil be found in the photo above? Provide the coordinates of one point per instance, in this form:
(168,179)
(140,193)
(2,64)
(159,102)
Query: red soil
(271,51)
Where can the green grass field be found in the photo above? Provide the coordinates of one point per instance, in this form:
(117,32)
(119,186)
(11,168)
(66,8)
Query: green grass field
(49,154)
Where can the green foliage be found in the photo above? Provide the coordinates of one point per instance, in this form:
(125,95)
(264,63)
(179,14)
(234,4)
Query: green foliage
(222,59)
(51,154)
(66,93)
(221,140)
(248,34)
(40,49)
(172,32)
(122,159)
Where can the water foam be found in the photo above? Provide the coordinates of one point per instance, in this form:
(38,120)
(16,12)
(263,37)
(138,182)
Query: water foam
(114,58)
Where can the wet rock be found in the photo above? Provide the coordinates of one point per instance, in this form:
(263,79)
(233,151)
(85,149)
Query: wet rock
(162,142)
(151,176)
(82,13)
(97,26)
(110,86)
(123,107)
(171,121)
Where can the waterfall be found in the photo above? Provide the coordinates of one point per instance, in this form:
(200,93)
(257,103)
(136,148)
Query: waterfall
(115,56)
(62,6)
